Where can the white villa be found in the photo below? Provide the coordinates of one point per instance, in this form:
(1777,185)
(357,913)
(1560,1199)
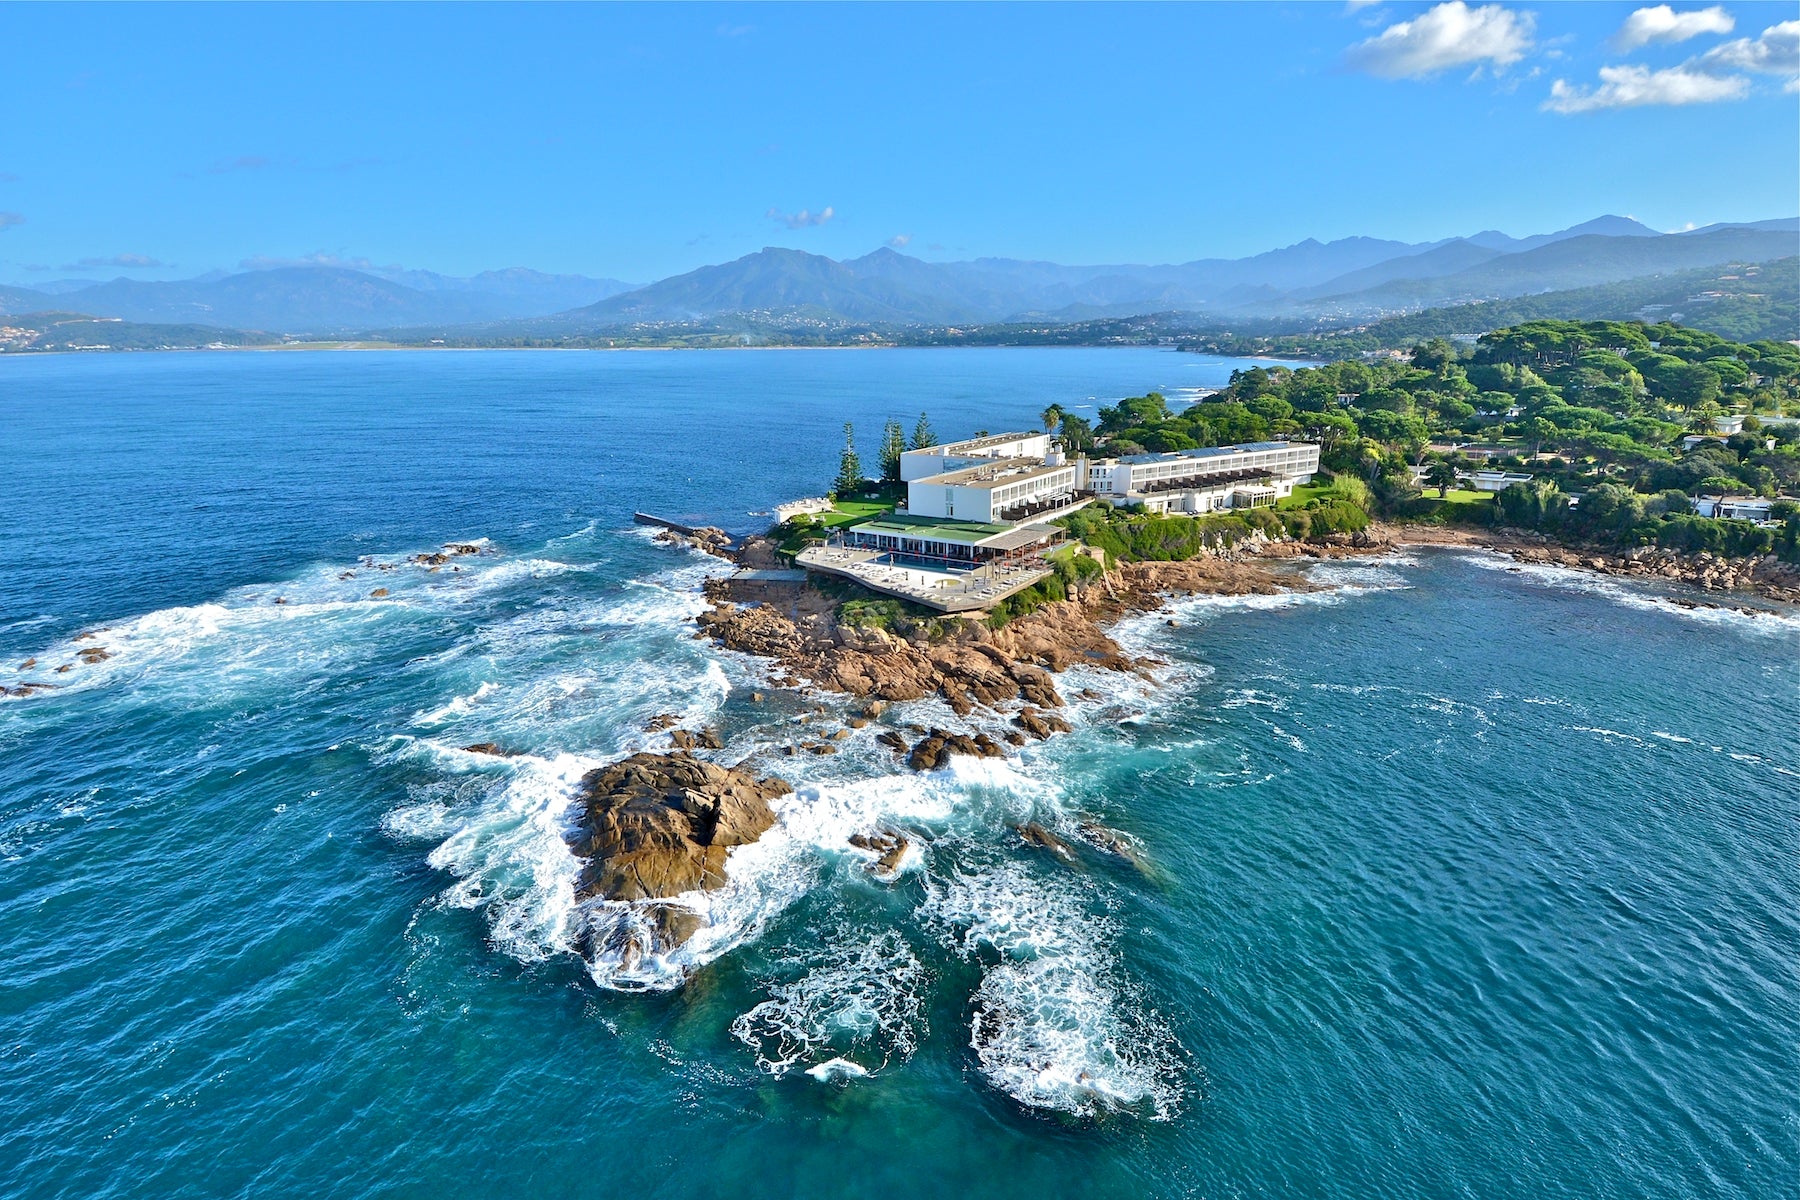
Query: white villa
(1734,508)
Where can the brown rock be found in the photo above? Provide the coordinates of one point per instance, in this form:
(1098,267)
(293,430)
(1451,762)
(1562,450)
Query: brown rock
(493,748)
(1040,725)
(888,845)
(1035,834)
(656,825)
(937,747)
(378,593)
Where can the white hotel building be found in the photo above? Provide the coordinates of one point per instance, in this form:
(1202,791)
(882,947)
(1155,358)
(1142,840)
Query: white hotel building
(1212,479)
(1015,477)
(978,512)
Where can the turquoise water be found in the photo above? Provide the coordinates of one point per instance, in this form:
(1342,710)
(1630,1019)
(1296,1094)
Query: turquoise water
(1459,879)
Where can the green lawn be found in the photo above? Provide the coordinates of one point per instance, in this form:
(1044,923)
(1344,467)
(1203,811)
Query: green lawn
(846,511)
(1461,495)
(1304,495)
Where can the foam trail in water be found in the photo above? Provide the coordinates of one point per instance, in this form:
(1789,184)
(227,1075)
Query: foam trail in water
(1643,595)
(851,994)
(1054,1026)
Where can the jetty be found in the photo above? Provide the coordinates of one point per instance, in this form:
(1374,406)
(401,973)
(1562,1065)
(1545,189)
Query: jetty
(693,531)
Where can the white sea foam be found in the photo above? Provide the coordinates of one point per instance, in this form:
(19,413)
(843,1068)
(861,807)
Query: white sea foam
(461,706)
(851,993)
(507,851)
(1055,1026)
(835,1069)
(1646,596)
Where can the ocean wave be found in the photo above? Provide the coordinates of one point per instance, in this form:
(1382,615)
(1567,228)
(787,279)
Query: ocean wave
(264,632)
(1647,596)
(1055,1026)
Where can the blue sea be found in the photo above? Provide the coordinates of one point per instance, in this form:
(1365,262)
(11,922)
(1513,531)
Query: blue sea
(1455,878)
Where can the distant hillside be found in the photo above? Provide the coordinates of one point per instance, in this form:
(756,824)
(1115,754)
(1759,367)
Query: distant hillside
(1571,263)
(322,299)
(79,331)
(790,292)
(1746,302)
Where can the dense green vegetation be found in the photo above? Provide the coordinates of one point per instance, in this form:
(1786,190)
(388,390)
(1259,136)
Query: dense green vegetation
(1590,409)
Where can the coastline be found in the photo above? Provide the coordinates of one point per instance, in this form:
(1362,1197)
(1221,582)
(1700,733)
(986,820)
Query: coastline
(803,630)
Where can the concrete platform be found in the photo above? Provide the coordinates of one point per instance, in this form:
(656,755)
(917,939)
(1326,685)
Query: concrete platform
(944,591)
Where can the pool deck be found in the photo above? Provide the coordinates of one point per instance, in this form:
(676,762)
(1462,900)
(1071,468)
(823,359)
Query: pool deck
(945,591)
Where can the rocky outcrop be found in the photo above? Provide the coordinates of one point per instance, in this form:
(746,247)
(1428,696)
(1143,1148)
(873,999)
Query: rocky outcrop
(938,745)
(656,825)
(1766,576)
(438,558)
(708,539)
(1040,724)
(889,847)
(973,667)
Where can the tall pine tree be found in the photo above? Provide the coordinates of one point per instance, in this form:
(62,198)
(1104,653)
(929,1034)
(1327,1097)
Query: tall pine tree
(893,445)
(922,434)
(850,472)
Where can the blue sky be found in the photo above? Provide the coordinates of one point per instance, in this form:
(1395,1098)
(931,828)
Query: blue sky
(160,142)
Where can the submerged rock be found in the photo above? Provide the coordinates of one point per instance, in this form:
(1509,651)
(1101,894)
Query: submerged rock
(490,748)
(1037,835)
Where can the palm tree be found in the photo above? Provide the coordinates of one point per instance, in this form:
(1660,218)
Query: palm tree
(1052,417)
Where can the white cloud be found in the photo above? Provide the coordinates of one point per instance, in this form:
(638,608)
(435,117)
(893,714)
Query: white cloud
(802,219)
(1632,87)
(900,241)
(1449,35)
(1664,24)
(1776,52)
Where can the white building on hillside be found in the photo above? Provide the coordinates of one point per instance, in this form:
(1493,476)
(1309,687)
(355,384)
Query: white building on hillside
(1006,490)
(1207,480)
(1734,508)
(938,460)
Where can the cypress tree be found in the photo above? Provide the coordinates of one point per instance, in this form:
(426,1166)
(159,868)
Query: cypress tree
(850,472)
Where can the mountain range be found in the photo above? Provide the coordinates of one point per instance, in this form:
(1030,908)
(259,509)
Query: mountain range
(1349,279)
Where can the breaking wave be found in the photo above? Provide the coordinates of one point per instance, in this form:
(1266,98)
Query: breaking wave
(1055,1026)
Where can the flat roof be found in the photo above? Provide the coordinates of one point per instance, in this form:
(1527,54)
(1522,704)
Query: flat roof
(980,443)
(966,533)
(998,473)
(1210,452)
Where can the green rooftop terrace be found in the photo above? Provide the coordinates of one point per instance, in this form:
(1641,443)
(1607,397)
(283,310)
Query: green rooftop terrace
(937,528)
